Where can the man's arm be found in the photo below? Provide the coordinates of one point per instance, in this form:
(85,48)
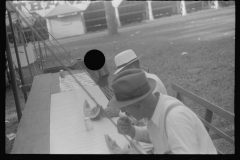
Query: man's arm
(182,136)
(141,134)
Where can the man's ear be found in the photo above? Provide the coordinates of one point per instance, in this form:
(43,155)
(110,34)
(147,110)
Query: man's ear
(139,106)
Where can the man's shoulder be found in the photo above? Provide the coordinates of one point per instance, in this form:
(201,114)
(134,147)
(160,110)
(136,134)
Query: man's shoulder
(179,110)
(153,76)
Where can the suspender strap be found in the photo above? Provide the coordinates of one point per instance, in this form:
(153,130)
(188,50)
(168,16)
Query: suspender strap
(165,118)
(166,113)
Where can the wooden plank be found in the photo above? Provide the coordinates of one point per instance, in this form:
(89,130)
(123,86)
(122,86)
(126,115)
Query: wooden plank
(98,10)
(130,13)
(94,19)
(67,130)
(33,135)
(131,5)
(55,88)
(217,131)
(219,111)
(107,92)
(216,136)
(164,7)
(74,72)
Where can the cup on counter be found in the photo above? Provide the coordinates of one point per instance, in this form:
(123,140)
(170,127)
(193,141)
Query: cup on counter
(88,123)
(62,74)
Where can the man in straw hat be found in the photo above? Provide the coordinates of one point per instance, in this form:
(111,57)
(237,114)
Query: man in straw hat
(128,59)
(171,126)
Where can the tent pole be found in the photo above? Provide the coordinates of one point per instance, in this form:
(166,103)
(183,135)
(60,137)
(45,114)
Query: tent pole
(34,43)
(41,60)
(21,34)
(40,50)
(17,54)
(45,50)
(13,80)
(38,56)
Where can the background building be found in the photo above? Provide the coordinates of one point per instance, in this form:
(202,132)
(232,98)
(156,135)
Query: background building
(132,11)
(65,21)
(95,17)
(73,18)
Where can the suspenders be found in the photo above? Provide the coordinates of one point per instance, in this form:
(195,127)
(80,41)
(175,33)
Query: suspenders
(165,116)
(166,113)
(168,110)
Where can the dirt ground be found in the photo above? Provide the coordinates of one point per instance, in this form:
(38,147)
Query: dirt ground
(207,68)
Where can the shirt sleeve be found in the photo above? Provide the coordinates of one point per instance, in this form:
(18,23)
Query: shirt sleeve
(182,136)
(161,87)
(121,114)
(141,134)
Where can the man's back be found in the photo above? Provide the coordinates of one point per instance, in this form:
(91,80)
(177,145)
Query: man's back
(186,132)
(160,86)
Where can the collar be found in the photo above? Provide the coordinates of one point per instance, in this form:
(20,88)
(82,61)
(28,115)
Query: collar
(157,111)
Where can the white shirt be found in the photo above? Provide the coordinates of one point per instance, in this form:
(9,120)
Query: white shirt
(185,131)
(159,87)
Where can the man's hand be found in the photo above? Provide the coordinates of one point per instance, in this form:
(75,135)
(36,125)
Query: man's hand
(112,112)
(125,127)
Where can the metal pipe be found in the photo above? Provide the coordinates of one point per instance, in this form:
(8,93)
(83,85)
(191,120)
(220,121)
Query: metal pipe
(13,80)
(41,60)
(37,55)
(21,34)
(40,49)
(17,54)
(45,50)
(34,43)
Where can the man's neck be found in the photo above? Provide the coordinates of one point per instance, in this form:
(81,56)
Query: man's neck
(151,104)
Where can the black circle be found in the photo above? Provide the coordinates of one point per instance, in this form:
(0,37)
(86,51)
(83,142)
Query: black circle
(94,59)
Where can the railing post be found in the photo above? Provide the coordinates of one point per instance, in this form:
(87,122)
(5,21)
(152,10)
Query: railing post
(208,117)
(25,50)
(13,79)
(17,54)
(180,98)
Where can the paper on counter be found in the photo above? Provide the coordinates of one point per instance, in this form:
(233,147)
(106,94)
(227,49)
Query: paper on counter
(68,134)
(69,83)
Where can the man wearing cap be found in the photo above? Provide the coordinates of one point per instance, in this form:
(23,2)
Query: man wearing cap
(171,126)
(125,60)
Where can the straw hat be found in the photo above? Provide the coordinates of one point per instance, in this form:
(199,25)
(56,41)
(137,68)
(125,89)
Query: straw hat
(124,58)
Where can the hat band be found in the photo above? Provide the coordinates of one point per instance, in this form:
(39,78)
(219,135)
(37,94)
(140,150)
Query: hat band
(134,94)
(124,64)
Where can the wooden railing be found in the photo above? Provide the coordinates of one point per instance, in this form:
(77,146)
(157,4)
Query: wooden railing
(210,109)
